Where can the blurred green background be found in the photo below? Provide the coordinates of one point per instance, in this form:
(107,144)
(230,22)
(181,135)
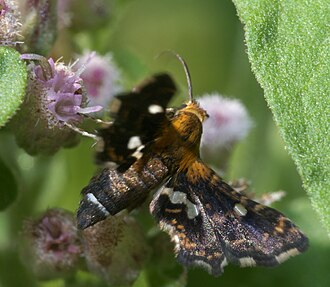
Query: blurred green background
(210,37)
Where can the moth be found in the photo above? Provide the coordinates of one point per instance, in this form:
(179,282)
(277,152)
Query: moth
(151,148)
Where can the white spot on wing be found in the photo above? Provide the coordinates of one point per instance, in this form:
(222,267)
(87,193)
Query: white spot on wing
(176,239)
(110,164)
(224,263)
(287,254)
(171,230)
(91,198)
(192,210)
(166,227)
(240,209)
(247,262)
(178,197)
(155,109)
(204,265)
(138,154)
(167,190)
(134,142)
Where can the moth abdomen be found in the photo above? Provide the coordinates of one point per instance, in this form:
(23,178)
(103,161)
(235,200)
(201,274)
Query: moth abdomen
(112,191)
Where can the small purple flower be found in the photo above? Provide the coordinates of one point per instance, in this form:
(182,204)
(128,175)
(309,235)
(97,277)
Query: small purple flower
(62,91)
(101,77)
(52,245)
(66,106)
(53,106)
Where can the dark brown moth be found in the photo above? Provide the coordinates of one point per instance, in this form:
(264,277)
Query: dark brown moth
(157,149)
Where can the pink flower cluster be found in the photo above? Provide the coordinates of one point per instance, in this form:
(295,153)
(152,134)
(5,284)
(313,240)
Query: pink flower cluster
(228,123)
(101,77)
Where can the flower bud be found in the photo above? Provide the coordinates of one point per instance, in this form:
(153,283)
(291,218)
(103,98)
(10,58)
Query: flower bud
(40,26)
(63,13)
(51,246)
(115,249)
(92,14)
(10,26)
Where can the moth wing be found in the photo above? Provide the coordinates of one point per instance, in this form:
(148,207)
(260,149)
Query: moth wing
(139,117)
(236,228)
(196,242)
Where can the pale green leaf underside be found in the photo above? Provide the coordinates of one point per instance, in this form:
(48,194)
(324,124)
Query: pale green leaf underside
(13,77)
(289,50)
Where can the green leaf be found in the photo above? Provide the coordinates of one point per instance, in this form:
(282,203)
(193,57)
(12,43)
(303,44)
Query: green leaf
(13,77)
(8,186)
(288,46)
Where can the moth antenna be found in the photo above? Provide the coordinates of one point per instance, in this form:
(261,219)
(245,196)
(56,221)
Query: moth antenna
(186,70)
(188,77)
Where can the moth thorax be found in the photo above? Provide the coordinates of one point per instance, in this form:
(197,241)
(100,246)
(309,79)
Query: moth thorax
(189,127)
(195,116)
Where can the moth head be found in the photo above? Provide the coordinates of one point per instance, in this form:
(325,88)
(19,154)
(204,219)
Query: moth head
(194,108)
(187,120)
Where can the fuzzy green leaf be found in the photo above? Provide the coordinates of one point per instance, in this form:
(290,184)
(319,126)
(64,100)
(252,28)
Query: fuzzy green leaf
(13,77)
(288,47)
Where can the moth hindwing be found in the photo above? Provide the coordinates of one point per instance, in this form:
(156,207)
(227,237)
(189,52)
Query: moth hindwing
(210,223)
